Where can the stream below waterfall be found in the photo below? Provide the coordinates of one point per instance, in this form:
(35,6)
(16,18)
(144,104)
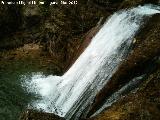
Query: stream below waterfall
(13,97)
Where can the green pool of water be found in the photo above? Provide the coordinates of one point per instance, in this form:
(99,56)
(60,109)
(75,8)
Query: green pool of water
(13,97)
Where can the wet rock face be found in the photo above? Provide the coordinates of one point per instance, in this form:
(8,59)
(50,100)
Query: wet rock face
(142,105)
(140,60)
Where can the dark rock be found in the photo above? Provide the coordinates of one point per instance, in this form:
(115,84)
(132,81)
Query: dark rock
(35,115)
(59,28)
(140,105)
(32,16)
(10,20)
(140,61)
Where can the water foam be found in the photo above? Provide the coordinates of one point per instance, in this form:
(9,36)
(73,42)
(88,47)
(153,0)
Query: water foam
(71,94)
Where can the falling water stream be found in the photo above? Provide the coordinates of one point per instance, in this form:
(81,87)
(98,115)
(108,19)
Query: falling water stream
(72,94)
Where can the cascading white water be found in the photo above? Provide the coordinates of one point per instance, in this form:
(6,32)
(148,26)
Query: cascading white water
(69,95)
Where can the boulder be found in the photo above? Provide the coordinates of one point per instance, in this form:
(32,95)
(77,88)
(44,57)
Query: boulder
(140,105)
(140,61)
(34,115)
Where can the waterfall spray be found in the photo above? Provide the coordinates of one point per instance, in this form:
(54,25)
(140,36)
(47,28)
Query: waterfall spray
(71,95)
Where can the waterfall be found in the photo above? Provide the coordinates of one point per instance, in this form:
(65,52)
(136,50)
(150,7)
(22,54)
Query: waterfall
(71,95)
